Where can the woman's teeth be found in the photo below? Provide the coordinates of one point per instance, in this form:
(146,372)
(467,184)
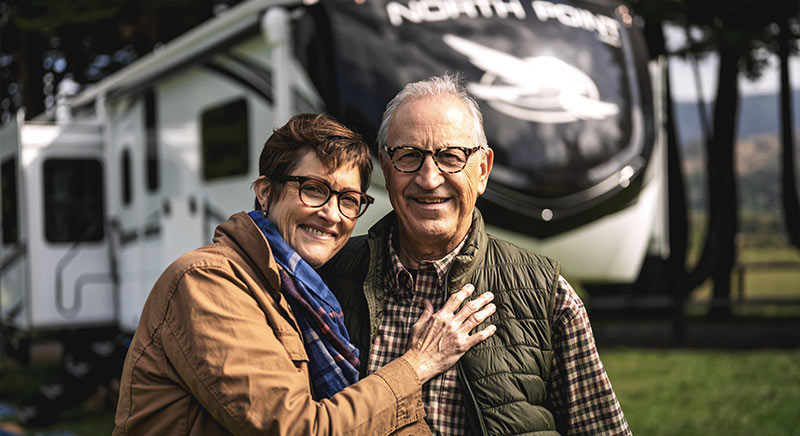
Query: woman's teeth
(314,231)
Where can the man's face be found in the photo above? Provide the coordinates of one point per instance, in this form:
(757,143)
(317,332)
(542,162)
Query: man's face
(434,208)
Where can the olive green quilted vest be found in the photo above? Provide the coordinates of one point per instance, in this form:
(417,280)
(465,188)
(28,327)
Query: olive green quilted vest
(504,378)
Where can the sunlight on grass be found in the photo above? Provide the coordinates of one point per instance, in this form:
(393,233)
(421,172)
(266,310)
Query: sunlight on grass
(773,283)
(703,393)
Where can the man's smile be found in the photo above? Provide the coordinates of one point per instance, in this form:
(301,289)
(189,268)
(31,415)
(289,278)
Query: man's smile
(437,200)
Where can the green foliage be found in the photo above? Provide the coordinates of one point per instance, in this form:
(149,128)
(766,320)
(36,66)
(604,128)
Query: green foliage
(18,383)
(707,393)
(43,41)
(44,15)
(746,25)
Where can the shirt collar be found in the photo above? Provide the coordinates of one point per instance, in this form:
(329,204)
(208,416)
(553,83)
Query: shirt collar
(402,279)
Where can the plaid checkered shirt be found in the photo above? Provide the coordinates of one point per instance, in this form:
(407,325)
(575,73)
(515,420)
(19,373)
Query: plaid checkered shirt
(579,392)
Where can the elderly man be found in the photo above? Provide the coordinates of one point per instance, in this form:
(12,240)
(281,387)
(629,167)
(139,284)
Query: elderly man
(540,373)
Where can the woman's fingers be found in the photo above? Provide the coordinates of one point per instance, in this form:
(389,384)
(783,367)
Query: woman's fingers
(478,317)
(427,312)
(424,319)
(454,302)
(472,307)
(480,336)
(439,339)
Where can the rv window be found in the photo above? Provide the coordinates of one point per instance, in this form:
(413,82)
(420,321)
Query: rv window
(151,146)
(125,166)
(73,200)
(9,195)
(226,141)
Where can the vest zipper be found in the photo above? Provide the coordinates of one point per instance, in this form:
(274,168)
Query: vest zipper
(465,386)
(471,398)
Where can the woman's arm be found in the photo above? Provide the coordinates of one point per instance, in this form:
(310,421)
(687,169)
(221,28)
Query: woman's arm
(246,367)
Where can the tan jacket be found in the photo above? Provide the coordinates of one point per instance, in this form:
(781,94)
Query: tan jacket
(218,351)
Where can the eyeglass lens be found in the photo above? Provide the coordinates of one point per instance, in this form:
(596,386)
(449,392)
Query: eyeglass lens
(314,193)
(449,159)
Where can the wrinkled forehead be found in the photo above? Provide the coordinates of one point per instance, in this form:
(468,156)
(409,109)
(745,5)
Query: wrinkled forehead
(431,122)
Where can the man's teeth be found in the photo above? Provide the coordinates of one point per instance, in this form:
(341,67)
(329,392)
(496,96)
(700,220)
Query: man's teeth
(431,200)
(314,231)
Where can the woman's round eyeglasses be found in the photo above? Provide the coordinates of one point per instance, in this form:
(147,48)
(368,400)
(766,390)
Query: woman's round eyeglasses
(316,192)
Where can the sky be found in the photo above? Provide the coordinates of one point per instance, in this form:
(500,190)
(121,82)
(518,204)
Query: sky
(683,83)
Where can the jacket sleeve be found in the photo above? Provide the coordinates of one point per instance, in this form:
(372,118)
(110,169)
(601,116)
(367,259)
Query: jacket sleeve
(580,394)
(249,375)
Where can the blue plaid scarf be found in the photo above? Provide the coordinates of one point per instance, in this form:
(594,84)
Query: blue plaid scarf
(332,359)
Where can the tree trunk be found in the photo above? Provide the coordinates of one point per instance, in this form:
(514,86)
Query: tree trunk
(678,222)
(723,207)
(702,110)
(31,72)
(791,208)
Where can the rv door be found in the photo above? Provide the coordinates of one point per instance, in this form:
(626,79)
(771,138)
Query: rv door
(70,279)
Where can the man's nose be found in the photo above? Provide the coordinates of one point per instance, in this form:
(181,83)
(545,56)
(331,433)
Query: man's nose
(429,176)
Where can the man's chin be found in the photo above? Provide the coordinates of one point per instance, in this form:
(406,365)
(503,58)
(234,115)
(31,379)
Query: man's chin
(436,232)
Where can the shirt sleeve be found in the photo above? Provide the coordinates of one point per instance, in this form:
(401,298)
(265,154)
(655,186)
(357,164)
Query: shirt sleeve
(249,375)
(579,391)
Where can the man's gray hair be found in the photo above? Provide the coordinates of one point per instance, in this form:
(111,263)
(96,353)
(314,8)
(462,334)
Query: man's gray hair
(445,85)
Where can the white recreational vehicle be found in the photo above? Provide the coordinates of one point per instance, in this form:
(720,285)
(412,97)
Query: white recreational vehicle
(141,166)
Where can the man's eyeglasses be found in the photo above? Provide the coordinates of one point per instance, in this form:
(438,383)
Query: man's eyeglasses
(316,192)
(449,160)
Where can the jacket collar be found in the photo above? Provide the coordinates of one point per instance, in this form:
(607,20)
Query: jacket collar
(472,255)
(241,234)
(465,263)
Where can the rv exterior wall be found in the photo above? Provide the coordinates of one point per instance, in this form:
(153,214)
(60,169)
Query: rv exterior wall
(13,250)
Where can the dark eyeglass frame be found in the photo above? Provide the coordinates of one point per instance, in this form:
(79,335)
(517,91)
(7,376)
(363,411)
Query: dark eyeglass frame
(366,199)
(468,151)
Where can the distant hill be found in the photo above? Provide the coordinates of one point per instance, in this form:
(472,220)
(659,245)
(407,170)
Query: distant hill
(758,152)
(758,115)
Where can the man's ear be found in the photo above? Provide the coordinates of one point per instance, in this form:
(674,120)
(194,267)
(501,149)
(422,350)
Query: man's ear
(386,165)
(487,160)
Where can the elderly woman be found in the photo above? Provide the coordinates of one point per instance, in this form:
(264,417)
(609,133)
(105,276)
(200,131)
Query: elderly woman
(243,337)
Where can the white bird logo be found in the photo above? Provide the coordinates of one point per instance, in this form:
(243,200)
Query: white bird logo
(542,88)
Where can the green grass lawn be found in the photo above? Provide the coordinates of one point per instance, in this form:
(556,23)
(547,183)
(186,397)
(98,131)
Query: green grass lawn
(704,393)
(713,392)
(663,392)
(779,284)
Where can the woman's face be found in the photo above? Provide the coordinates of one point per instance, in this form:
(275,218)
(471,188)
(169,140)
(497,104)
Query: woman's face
(316,233)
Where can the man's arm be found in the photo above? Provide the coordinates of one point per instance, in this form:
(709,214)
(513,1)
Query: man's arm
(579,392)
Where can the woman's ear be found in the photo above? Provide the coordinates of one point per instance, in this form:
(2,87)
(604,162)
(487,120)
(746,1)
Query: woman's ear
(261,188)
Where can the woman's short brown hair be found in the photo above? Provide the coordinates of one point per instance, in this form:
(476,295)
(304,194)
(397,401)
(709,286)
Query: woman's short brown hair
(335,145)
